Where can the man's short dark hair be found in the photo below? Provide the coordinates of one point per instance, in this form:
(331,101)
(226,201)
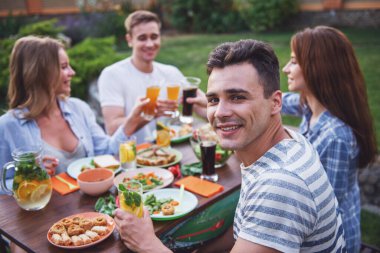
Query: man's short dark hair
(257,53)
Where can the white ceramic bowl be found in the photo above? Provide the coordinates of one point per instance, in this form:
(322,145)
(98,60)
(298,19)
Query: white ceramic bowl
(96,181)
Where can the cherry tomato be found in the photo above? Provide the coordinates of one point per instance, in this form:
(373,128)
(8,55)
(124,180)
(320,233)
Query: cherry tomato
(218,157)
(176,170)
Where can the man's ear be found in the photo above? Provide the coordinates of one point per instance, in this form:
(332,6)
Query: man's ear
(128,38)
(276,102)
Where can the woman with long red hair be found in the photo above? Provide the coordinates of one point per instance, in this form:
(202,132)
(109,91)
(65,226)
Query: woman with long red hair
(331,98)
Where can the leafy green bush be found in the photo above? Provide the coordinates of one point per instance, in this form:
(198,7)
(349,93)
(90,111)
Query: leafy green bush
(88,59)
(264,15)
(45,28)
(213,16)
(11,24)
(6,46)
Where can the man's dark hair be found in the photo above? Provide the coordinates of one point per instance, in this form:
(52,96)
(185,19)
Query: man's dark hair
(257,53)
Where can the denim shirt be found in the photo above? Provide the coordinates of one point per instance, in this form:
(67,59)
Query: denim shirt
(338,150)
(16,131)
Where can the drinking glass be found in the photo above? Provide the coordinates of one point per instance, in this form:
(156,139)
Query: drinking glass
(149,109)
(127,153)
(208,142)
(189,89)
(172,90)
(130,198)
(32,186)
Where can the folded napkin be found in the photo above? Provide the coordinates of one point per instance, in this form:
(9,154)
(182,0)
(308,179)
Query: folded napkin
(202,187)
(63,188)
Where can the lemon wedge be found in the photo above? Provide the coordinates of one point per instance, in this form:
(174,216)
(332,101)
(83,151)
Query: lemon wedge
(39,192)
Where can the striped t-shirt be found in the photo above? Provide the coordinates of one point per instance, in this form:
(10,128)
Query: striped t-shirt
(287,203)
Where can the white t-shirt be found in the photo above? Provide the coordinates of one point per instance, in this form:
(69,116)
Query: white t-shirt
(121,83)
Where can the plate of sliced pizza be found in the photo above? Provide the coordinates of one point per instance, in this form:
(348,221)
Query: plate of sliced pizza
(81,230)
(156,156)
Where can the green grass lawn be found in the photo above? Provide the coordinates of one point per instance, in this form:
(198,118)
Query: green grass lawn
(370,227)
(190,53)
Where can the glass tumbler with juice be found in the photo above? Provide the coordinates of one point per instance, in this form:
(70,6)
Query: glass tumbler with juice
(127,153)
(130,198)
(190,87)
(152,93)
(32,186)
(172,90)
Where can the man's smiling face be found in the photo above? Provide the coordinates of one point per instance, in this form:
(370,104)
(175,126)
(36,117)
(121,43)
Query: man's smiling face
(236,106)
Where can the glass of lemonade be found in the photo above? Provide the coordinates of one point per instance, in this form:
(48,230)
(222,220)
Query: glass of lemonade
(127,153)
(149,110)
(130,198)
(32,186)
(172,90)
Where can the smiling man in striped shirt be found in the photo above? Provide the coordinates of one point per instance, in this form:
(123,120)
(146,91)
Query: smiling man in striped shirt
(286,202)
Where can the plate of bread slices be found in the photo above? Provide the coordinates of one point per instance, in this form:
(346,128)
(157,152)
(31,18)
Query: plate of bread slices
(87,163)
(81,230)
(156,156)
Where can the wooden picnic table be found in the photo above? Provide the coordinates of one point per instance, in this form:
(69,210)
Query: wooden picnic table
(28,229)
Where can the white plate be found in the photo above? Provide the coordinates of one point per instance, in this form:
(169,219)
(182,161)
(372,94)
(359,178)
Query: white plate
(89,215)
(188,203)
(174,140)
(178,158)
(167,176)
(75,167)
(182,138)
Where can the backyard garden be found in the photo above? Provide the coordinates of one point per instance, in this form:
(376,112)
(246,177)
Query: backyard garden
(189,52)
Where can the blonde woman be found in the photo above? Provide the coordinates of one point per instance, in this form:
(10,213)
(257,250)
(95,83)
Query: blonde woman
(41,110)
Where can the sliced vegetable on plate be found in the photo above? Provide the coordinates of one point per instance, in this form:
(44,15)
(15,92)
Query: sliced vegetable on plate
(106,205)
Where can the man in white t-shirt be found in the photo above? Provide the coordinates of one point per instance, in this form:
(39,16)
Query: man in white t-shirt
(286,202)
(125,81)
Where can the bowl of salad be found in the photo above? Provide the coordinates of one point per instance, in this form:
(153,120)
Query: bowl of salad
(221,155)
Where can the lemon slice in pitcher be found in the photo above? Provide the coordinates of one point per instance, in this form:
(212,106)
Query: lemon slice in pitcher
(38,193)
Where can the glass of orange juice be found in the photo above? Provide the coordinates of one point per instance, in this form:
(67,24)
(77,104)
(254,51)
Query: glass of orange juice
(172,90)
(149,110)
(130,198)
(127,153)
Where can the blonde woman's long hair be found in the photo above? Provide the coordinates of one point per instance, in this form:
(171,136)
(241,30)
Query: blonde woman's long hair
(34,74)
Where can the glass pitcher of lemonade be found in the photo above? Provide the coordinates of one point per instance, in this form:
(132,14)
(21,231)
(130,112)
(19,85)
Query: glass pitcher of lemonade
(32,186)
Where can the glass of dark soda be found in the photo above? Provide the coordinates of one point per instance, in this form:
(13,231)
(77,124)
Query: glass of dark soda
(208,160)
(189,89)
